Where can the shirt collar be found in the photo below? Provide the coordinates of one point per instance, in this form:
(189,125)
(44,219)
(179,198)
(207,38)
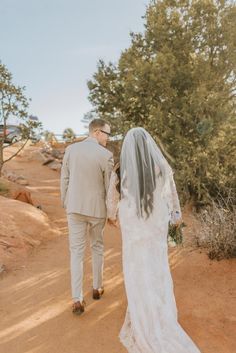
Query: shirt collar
(91,139)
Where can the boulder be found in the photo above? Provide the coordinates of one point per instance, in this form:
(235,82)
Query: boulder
(55,165)
(48,160)
(23,195)
(38,156)
(22,180)
(22,228)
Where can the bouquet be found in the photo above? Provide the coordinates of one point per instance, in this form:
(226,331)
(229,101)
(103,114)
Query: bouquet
(175,234)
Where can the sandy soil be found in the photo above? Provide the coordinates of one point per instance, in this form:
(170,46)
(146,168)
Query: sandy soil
(35,303)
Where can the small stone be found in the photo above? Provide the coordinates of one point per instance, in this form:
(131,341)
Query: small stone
(55,165)
(22,181)
(2,268)
(48,160)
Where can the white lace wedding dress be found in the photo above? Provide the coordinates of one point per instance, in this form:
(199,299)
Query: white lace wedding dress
(151,324)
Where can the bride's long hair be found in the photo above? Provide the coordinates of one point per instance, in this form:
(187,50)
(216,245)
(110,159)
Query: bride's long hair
(141,163)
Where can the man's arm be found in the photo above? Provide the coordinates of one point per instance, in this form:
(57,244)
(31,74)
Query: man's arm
(107,172)
(65,176)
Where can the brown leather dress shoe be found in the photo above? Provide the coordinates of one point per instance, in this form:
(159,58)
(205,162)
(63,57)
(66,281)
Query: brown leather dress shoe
(78,307)
(97,293)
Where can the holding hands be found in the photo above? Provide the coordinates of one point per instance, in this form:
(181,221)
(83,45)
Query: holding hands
(113,222)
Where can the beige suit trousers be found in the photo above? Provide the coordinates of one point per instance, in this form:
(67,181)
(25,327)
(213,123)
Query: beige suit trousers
(78,225)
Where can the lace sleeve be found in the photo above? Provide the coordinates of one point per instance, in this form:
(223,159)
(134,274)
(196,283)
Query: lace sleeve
(113,197)
(176,211)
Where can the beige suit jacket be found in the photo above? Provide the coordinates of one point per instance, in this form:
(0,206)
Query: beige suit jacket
(85,176)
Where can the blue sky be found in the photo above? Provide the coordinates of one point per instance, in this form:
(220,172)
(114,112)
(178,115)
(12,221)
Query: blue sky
(52,47)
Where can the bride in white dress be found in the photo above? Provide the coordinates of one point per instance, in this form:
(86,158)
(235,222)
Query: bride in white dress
(147,203)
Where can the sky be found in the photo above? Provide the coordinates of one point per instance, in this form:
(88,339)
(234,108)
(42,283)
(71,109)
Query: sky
(52,47)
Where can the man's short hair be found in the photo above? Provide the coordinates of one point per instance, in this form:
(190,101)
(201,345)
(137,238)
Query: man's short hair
(97,124)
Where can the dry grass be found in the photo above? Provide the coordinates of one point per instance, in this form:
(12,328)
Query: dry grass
(218,231)
(3,188)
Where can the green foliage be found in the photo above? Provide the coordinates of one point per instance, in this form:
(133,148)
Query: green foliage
(89,116)
(68,135)
(175,233)
(177,80)
(3,188)
(31,128)
(14,104)
(49,136)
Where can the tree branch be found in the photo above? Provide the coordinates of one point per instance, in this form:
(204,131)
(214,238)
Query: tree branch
(15,154)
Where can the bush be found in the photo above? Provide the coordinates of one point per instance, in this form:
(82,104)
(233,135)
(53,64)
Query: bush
(218,232)
(3,189)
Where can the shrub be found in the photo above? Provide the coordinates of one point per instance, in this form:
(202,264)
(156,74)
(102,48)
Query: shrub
(3,189)
(218,231)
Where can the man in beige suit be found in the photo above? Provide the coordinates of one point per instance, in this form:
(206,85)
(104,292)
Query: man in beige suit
(85,175)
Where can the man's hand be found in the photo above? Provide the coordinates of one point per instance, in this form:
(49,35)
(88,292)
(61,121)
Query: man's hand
(112,222)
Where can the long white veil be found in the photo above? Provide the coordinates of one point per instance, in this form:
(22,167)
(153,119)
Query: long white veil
(141,163)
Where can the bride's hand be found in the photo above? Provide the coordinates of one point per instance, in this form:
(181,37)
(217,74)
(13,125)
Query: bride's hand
(112,222)
(176,219)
